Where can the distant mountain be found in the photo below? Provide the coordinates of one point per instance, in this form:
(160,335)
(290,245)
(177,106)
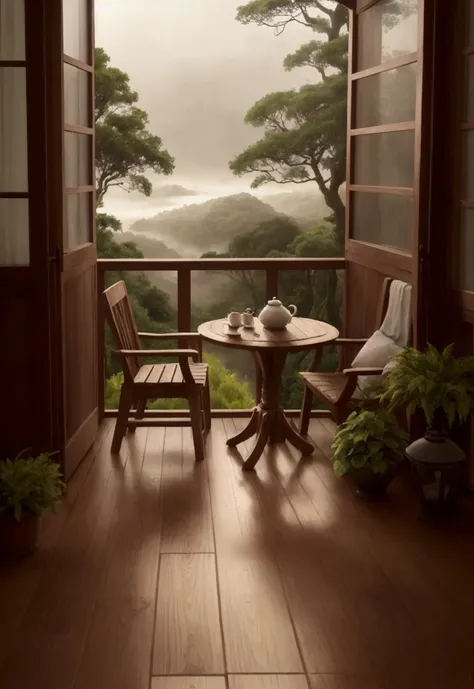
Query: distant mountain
(306,207)
(151,248)
(172,191)
(207,226)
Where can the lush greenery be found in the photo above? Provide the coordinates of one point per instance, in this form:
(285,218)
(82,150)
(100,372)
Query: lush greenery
(209,225)
(30,486)
(227,392)
(304,131)
(125,149)
(241,225)
(366,440)
(439,383)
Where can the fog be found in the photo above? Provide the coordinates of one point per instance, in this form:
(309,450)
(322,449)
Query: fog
(197,71)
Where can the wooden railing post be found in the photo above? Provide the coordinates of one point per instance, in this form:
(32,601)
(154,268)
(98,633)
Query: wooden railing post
(184,302)
(101,340)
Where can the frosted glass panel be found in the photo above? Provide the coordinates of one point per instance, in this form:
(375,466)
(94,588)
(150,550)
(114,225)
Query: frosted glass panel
(13,132)
(385,160)
(79,216)
(387,97)
(383,219)
(76,35)
(12,30)
(387,30)
(77,95)
(78,163)
(14,232)
(466,257)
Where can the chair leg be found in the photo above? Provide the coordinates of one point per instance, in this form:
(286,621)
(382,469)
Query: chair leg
(126,399)
(207,407)
(306,411)
(195,410)
(139,413)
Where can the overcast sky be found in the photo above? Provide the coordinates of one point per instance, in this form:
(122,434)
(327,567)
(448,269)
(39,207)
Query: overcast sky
(197,71)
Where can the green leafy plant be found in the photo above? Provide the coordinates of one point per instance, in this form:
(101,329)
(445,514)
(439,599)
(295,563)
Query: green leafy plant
(30,485)
(367,440)
(437,382)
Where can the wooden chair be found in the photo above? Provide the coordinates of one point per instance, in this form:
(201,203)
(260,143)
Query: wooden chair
(338,391)
(143,382)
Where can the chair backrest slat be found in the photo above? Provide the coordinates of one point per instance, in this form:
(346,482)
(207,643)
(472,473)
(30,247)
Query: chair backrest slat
(122,323)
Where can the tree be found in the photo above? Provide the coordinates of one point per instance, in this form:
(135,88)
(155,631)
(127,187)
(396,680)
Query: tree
(125,149)
(304,131)
(273,235)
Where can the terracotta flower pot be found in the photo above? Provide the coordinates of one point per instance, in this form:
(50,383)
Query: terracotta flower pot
(18,538)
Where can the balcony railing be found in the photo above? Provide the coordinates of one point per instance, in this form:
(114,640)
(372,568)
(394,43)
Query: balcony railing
(184,267)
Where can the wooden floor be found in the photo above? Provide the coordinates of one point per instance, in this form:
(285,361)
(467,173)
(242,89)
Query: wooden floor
(159,572)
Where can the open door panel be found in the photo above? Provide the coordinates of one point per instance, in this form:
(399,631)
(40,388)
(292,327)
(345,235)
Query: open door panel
(385,131)
(75,285)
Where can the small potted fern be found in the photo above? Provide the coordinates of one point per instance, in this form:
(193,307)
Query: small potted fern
(29,488)
(442,386)
(367,448)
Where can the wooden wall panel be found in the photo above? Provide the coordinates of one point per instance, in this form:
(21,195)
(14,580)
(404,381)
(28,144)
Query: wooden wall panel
(80,347)
(24,388)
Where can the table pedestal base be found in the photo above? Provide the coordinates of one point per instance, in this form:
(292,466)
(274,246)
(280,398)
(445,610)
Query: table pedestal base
(269,427)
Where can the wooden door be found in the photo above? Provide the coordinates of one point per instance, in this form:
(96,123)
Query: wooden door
(385,177)
(75,281)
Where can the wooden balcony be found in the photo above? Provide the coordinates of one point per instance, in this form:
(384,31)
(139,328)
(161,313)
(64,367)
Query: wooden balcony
(156,566)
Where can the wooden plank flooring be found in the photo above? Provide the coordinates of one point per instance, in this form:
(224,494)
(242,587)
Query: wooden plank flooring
(160,573)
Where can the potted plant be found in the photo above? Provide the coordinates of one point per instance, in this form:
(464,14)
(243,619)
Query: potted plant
(29,487)
(368,448)
(442,386)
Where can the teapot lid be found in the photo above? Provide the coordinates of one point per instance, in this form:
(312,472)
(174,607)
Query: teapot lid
(274,302)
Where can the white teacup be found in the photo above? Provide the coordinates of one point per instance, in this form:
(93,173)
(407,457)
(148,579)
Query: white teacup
(247,319)
(234,319)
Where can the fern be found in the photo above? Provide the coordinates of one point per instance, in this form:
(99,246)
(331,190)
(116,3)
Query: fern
(437,382)
(31,485)
(365,440)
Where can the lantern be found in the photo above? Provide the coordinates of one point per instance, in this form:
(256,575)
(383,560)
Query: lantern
(438,464)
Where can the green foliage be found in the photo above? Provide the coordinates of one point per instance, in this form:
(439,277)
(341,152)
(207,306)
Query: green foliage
(125,149)
(365,440)
(304,131)
(439,383)
(227,392)
(30,485)
(212,224)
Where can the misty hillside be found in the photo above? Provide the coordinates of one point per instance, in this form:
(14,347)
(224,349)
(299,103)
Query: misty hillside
(207,226)
(306,207)
(151,248)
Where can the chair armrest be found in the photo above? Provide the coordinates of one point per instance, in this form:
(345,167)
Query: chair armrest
(167,336)
(350,341)
(364,371)
(156,352)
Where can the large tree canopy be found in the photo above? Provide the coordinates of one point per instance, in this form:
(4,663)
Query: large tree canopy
(304,131)
(125,149)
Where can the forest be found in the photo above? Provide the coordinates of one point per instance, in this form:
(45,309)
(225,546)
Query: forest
(302,142)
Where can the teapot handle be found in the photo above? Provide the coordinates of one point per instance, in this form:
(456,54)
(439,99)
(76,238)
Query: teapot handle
(295,310)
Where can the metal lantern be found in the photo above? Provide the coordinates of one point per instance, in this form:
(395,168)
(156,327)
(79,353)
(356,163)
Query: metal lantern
(438,464)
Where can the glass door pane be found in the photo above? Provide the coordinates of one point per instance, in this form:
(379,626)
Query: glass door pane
(12,30)
(14,231)
(13,130)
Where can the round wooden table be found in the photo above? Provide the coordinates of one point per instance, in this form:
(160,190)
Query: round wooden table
(270,348)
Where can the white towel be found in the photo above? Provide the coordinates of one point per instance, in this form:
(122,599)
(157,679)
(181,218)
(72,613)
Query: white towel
(397,321)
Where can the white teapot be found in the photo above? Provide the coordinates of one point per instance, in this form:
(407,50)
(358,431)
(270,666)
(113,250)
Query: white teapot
(274,316)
